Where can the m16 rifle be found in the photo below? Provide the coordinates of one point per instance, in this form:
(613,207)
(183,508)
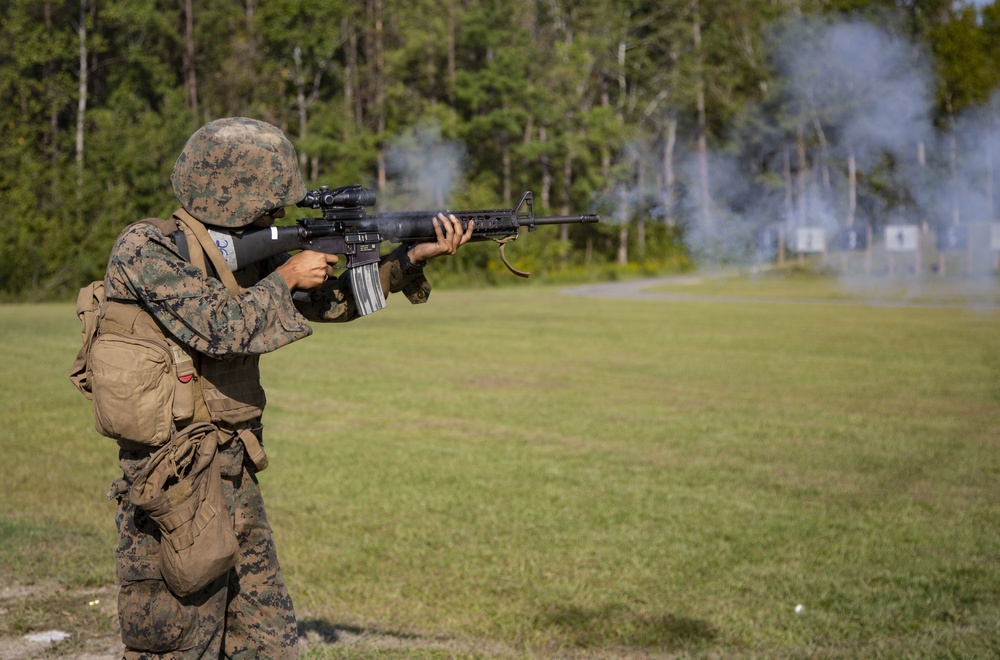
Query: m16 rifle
(347,229)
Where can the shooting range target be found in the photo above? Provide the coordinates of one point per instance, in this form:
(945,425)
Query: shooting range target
(810,239)
(901,238)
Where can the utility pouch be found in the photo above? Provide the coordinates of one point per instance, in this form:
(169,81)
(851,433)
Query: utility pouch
(181,490)
(143,384)
(132,387)
(184,383)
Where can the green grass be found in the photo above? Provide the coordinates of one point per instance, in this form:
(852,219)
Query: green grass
(522,472)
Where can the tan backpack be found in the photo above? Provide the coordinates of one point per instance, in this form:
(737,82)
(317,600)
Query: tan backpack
(140,381)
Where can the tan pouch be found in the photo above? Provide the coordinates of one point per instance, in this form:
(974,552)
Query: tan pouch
(184,383)
(143,384)
(133,391)
(181,490)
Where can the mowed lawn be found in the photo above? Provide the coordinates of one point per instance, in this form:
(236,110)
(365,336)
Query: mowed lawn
(519,472)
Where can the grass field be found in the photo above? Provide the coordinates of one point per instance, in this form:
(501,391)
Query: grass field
(521,473)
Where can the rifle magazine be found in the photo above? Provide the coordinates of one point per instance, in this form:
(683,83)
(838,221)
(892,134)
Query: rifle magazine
(367,287)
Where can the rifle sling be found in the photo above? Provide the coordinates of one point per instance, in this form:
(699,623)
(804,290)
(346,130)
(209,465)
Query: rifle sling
(194,229)
(503,257)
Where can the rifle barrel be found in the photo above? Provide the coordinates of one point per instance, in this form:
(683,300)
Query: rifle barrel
(563,219)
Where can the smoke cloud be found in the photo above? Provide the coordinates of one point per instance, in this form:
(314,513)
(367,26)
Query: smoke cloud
(423,167)
(848,95)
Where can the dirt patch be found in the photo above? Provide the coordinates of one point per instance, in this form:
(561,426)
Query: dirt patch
(42,621)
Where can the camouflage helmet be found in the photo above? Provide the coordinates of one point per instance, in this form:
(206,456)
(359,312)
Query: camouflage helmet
(232,171)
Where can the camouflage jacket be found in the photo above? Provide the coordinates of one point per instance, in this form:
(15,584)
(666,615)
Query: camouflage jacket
(145,268)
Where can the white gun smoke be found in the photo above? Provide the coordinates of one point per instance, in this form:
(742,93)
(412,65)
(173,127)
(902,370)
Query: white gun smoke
(424,168)
(861,100)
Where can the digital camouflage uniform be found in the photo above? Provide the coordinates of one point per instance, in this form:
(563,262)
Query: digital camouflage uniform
(230,172)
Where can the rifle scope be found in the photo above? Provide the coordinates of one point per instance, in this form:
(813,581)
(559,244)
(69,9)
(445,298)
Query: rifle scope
(343,198)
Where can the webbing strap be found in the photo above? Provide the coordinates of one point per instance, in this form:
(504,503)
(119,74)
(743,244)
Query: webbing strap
(191,225)
(503,257)
(255,451)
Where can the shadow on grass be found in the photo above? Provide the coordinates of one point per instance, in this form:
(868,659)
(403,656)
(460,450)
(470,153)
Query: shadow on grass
(617,624)
(337,640)
(330,633)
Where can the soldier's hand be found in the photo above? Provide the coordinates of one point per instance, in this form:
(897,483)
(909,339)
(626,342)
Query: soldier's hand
(307,269)
(450,237)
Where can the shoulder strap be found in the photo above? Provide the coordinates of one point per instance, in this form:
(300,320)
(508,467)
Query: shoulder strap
(194,228)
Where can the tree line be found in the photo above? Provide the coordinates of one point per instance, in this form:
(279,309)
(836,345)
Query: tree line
(687,124)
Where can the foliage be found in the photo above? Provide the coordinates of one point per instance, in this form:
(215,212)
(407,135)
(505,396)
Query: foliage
(585,103)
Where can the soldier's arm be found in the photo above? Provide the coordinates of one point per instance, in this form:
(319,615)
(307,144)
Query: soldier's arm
(333,301)
(401,271)
(146,269)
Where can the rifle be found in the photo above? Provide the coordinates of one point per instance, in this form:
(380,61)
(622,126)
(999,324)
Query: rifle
(346,229)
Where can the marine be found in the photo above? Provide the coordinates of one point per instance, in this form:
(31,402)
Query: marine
(213,325)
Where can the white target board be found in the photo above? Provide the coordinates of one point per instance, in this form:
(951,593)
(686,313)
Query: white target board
(901,238)
(995,236)
(810,239)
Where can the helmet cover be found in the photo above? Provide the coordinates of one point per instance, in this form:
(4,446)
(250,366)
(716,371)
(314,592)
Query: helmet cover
(234,170)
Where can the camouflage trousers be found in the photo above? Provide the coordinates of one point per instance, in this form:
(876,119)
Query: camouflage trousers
(246,613)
